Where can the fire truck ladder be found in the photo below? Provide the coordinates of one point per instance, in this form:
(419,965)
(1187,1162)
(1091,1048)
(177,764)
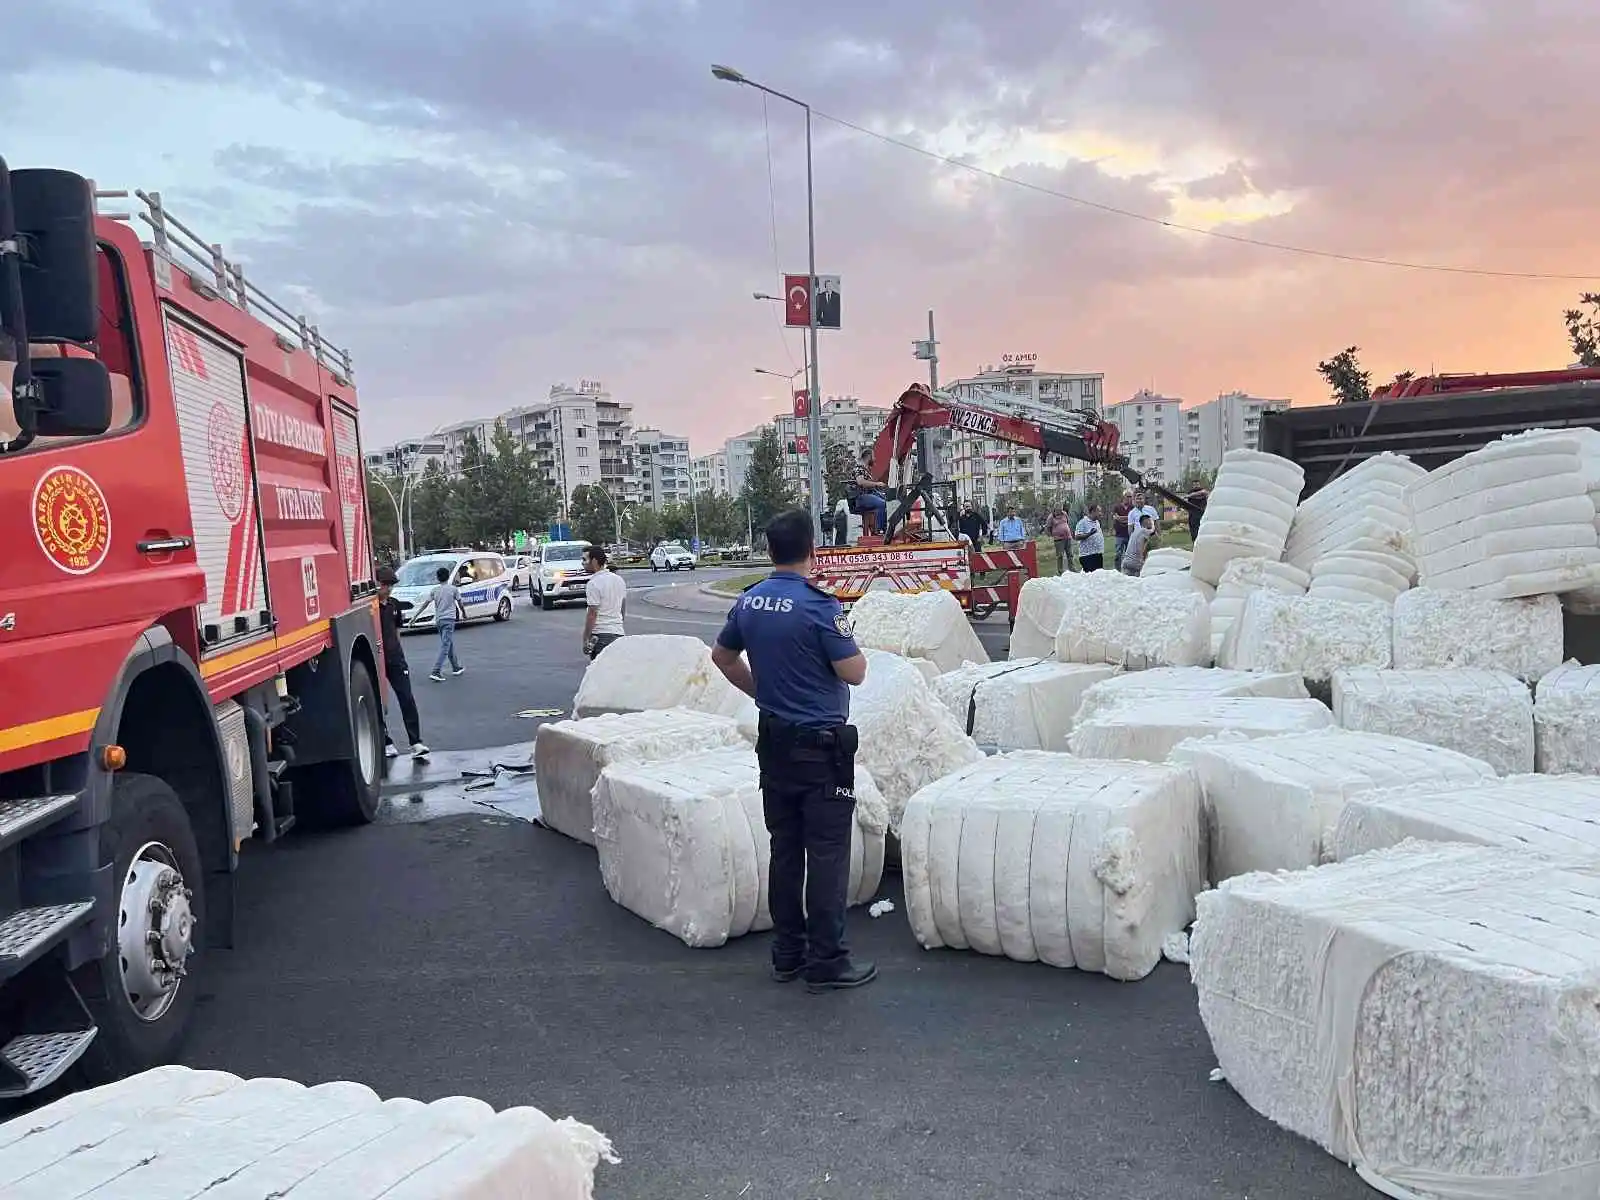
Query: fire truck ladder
(216,276)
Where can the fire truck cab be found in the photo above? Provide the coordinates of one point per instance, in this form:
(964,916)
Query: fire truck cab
(189,644)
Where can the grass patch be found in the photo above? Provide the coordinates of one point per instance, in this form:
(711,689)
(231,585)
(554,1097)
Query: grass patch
(1172,537)
(735,584)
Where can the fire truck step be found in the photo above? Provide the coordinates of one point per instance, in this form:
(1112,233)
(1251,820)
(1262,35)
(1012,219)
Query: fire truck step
(18,818)
(36,1060)
(29,932)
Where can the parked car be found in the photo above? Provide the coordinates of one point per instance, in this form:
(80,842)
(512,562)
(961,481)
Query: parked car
(559,573)
(669,556)
(481,576)
(521,568)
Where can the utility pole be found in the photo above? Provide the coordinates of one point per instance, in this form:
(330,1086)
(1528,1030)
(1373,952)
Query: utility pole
(927,351)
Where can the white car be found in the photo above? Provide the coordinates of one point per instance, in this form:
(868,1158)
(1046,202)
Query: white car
(559,574)
(521,568)
(669,556)
(480,575)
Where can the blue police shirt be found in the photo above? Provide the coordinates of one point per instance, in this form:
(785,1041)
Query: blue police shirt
(793,633)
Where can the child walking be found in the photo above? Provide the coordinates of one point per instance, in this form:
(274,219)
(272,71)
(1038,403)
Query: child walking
(446,607)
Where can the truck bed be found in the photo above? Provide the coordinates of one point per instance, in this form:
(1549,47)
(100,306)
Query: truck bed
(1328,439)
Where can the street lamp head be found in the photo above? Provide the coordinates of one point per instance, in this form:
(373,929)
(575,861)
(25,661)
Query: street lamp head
(726,74)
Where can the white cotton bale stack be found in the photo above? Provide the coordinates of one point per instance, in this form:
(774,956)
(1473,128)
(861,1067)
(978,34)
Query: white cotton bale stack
(1361,576)
(1177,687)
(926,625)
(568,756)
(655,671)
(908,737)
(1566,721)
(1025,704)
(683,843)
(1311,636)
(1247,513)
(1115,619)
(1165,560)
(1434,628)
(1512,519)
(1048,858)
(1041,605)
(1178,581)
(1363,509)
(1272,803)
(1424,1012)
(172,1133)
(1583,601)
(1241,577)
(1149,733)
(1554,816)
(1487,714)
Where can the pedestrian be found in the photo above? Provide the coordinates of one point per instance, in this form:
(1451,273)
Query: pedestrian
(607,597)
(446,601)
(1141,505)
(1119,526)
(1140,541)
(1091,540)
(1197,510)
(1013,534)
(1059,526)
(395,668)
(841,523)
(868,497)
(803,661)
(972,525)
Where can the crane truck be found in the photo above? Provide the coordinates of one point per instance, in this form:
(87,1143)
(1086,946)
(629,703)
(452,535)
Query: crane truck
(919,549)
(189,642)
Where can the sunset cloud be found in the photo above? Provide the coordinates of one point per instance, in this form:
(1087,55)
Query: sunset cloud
(511,194)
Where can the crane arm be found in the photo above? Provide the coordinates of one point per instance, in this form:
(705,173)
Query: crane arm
(1082,436)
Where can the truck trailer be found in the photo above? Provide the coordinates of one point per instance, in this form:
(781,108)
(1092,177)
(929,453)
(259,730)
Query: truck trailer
(189,642)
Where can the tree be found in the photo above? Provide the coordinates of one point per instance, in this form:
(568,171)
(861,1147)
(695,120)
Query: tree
(470,495)
(1194,478)
(429,507)
(1583,329)
(721,518)
(643,525)
(677,522)
(765,488)
(838,467)
(382,495)
(513,490)
(1105,491)
(1347,382)
(590,514)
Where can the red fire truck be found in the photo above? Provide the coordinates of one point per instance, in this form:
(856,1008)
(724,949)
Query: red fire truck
(189,644)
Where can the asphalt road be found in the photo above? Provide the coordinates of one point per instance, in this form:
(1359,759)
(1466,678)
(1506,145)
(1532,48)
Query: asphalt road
(451,949)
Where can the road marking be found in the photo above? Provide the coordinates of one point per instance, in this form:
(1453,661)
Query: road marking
(533,714)
(678,621)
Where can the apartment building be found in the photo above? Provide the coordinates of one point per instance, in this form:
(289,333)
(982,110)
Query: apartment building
(710,474)
(1152,430)
(1230,422)
(661,467)
(408,457)
(843,417)
(983,469)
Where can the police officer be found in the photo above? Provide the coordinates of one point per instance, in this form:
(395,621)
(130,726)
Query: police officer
(803,662)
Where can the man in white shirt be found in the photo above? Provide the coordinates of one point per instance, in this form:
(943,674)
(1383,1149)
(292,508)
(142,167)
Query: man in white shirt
(1142,507)
(1091,540)
(607,596)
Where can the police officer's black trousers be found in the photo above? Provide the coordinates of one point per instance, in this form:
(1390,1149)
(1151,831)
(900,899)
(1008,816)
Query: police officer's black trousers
(808,795)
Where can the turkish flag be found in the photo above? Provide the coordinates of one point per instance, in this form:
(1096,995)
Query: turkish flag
(802,404)
(802,445)
(797,301)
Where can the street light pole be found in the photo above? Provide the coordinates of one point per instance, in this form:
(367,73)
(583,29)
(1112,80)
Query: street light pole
(814,407)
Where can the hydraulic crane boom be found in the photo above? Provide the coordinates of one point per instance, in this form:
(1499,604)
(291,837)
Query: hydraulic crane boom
(1081,435)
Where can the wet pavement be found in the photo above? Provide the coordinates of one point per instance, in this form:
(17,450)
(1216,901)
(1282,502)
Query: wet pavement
(455,783)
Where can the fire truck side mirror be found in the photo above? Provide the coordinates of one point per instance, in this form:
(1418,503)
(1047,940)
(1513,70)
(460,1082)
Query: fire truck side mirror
(55,220)
(76,397)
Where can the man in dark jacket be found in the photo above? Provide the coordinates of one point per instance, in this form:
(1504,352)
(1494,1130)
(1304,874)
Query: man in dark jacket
(395,667)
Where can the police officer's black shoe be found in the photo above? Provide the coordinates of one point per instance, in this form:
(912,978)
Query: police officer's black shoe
(852,976)
(787,974)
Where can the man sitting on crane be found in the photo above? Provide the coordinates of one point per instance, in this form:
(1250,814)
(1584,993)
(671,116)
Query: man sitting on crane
(866,495)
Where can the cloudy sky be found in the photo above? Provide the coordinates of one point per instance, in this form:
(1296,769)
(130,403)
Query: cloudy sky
(486,197)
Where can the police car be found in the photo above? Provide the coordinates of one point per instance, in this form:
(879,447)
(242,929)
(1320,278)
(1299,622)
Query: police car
(559,574)
(480,576)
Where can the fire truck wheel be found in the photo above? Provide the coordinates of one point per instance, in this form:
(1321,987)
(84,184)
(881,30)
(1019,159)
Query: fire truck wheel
(142,992)
(335,794)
